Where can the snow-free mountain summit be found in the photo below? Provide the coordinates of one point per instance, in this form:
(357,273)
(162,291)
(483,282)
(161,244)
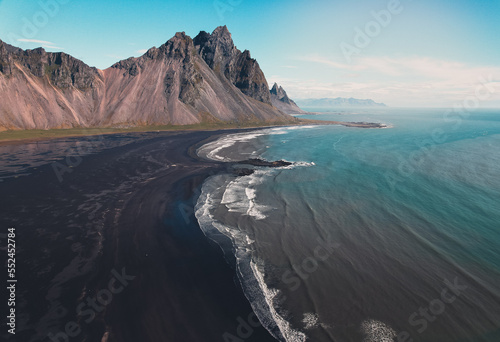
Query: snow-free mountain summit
(184,81)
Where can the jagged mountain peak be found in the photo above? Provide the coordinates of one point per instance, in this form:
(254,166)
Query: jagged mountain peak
(184,81)
(179,45)
(61,69)
(223,38)
(222,56)
(9,48)
(220,36)
(215,48)
(280,100)
(222,28)
(179,38)
(278,90)
(222,32)
(280,93)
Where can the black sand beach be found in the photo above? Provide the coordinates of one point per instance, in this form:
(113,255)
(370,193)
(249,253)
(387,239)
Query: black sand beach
(111,250)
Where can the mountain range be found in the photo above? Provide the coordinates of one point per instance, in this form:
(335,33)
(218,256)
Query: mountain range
(338,102)
(184,81)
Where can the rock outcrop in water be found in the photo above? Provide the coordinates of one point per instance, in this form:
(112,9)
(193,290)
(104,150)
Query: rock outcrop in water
(280,100)
(259,163)
(184,81)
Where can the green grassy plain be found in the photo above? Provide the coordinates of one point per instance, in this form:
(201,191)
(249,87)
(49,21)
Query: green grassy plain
(40,134)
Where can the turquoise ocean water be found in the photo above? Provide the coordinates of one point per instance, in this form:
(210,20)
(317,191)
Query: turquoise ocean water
(373,234)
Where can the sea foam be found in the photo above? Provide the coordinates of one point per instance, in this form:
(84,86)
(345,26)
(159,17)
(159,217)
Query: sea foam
(376,331)
(239,195)
(213,150)
(251,276)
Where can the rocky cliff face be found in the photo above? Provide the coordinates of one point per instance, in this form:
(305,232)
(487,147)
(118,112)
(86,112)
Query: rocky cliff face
(45,90)
(280,100)
(61,69)
(218,51)
(181,82)
(6,62)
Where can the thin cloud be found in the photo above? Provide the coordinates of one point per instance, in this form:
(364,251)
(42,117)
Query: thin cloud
(142,51)
(416,81)
(394,93)
(52,47)
(415,66)
(44,42)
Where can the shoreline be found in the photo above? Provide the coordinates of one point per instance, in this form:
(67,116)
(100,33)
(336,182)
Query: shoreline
(125,207)
(52,134)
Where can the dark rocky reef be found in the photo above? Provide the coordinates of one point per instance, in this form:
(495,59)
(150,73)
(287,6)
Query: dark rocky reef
(265,163)
(364,124)
(222,56)
(238,171)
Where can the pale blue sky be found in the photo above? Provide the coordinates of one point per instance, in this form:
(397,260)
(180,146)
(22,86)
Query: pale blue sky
(430,53)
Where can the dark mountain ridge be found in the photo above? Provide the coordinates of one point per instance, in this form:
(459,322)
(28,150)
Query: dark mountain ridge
(184,81)
(280,100)
(219,52)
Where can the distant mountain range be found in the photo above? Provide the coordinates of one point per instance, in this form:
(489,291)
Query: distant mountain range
(337,102)
(184,81)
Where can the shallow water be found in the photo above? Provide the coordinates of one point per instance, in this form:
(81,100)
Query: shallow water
(372,233)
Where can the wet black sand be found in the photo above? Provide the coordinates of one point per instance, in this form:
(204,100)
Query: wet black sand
(129,209)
